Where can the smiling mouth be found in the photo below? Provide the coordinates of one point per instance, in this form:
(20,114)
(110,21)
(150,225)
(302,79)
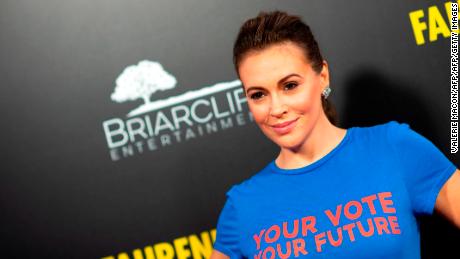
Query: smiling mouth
(285,127)
(284,124)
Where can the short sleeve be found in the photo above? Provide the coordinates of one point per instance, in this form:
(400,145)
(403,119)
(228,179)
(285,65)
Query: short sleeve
(227,232)
(425,168)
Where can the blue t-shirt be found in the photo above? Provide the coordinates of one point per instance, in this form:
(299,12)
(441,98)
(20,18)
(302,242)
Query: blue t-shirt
(358,201)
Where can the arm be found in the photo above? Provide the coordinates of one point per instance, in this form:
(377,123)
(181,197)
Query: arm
(218,255)
(448,200)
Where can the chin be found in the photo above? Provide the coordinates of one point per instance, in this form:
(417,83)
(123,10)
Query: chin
(283,141)
(287,142)
(292,146)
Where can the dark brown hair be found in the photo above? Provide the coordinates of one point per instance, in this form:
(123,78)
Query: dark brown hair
(276,27)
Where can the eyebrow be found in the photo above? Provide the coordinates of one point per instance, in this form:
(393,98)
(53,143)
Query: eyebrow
(279,82)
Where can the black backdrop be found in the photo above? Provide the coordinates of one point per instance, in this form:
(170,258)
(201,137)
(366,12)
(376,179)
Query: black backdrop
(65,193)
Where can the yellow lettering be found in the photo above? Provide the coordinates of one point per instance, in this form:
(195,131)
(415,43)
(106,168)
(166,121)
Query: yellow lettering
(123,256)
(148,250)
(448,7)
(138,254)
(213,235)
(164,250)
(200,247)
(436,24)
(417,26)
(181,251)
(203,247)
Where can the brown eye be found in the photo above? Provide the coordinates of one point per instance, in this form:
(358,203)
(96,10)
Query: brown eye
(256,95)
(290,86)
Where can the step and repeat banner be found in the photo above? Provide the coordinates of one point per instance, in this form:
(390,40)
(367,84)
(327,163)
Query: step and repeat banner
(124,123)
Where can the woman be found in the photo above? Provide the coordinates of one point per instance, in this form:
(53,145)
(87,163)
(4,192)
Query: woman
(331,192)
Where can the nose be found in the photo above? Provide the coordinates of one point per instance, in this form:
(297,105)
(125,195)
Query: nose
(278,107)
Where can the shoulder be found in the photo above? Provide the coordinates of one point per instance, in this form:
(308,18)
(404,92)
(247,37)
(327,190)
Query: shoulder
(387,130)
(383,128)
(394,128)
(402,136)
(384,138)
(250,186)
(377,134)
(407,144)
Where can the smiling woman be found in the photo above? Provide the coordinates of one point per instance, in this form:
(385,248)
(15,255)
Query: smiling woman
(323,170)
(283,94)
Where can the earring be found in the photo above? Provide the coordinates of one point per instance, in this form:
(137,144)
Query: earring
(326,92)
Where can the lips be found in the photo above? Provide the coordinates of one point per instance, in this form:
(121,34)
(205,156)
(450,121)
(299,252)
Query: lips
(284,124)
(285,127)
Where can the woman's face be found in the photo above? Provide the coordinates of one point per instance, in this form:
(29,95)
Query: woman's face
(282,88)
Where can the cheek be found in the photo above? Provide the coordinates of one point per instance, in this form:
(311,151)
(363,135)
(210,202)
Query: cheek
(304,103)
(310,99)
(259,112)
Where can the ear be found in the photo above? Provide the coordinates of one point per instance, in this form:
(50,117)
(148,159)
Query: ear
(324,75)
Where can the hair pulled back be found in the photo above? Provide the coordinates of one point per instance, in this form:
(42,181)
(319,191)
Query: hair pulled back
(276,27)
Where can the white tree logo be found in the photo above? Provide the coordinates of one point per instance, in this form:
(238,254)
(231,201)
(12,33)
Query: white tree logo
(141,81)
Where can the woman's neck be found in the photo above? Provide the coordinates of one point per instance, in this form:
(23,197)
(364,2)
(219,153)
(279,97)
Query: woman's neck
(323,138)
